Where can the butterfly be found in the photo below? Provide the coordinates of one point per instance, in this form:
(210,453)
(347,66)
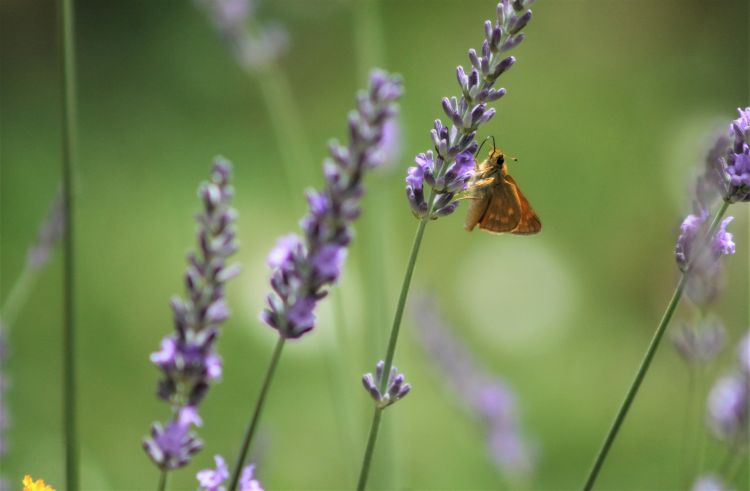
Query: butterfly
(497,205)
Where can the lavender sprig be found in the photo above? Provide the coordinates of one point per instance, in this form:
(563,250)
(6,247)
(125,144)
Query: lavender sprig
(304,268)
(728,415)
(449,169)
(396,387)
(699,247)
(188,359)
(38,255)
(257,48)
(486,397)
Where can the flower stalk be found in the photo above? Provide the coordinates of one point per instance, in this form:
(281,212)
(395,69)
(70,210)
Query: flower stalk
(305,268)
(448,171)
(251,427)
(69,139)
(649,355)
(391,351)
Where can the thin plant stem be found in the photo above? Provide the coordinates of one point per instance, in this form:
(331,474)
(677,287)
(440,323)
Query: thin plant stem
(339,367)
(646,362)
(368,36)
(362,483)
(388,362)
(163,478)
(68,163)
(369,46)
(287,124)
(250,432)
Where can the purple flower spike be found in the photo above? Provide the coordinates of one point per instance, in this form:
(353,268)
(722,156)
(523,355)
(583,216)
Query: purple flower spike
(485,397)
(452,167)
(396,388)
(304,267)
(187,358)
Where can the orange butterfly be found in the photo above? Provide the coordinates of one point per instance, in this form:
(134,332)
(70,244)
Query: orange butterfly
(497,205)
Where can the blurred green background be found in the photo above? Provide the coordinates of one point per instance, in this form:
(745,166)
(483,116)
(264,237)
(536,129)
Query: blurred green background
(610,110)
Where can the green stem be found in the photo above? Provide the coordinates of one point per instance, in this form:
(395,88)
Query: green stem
(250,432)
(68,162)
(646,362)
(163,477)
(340,368)
(288,128)
(388,362)
(395,328)
(362,483)
(368,37)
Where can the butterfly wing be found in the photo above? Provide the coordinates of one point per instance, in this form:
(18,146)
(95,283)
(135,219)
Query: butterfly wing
(479,197)
(503,212)
(528,222)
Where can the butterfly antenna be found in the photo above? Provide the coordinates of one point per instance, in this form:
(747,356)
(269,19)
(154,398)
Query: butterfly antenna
(494,147)
(483,142)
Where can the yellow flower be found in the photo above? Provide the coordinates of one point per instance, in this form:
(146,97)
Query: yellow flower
(30,485)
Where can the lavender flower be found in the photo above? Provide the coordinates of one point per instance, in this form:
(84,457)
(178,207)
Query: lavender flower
(727,406)
(729,399)
(172,447)
(254,46)
(702,344)
(486,397)
(187,358)
(722,243)
(213,479)
(450,168)
(699,259)
(737,160)
(302,268)
(395,389)
(690,232)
